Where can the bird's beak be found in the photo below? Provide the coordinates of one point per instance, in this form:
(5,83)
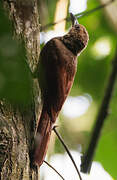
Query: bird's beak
(73,20)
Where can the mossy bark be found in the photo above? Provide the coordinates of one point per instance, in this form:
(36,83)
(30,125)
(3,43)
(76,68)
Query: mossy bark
(18,125)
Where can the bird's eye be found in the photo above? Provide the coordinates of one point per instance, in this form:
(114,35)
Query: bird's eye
(77,27)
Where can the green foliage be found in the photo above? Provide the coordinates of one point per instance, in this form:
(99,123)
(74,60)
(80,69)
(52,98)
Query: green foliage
(107,150)
(107,147)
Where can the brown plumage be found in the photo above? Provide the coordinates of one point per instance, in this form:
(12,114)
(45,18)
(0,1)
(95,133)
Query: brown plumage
(57,68)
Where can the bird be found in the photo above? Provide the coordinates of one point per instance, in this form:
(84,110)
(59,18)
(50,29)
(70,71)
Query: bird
(55,72)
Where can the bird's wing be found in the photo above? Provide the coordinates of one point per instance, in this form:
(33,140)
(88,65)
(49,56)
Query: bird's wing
(56,72)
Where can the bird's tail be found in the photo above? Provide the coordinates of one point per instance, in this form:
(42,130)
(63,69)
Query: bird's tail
(43,136)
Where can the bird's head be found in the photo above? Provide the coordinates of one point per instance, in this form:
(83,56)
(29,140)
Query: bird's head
(77,37)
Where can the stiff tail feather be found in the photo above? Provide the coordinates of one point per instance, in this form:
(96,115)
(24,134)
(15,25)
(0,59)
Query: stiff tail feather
(42,137)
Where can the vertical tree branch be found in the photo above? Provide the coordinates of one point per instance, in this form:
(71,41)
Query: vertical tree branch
(103,112)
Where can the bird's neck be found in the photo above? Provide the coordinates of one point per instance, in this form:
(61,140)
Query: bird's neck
(72,44)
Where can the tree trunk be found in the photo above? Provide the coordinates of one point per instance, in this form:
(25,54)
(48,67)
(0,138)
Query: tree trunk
(18,125)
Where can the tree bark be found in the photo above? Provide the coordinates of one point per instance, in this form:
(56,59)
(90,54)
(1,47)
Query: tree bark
(18,125)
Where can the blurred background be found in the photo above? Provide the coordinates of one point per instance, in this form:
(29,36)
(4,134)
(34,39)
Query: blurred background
(79,112)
